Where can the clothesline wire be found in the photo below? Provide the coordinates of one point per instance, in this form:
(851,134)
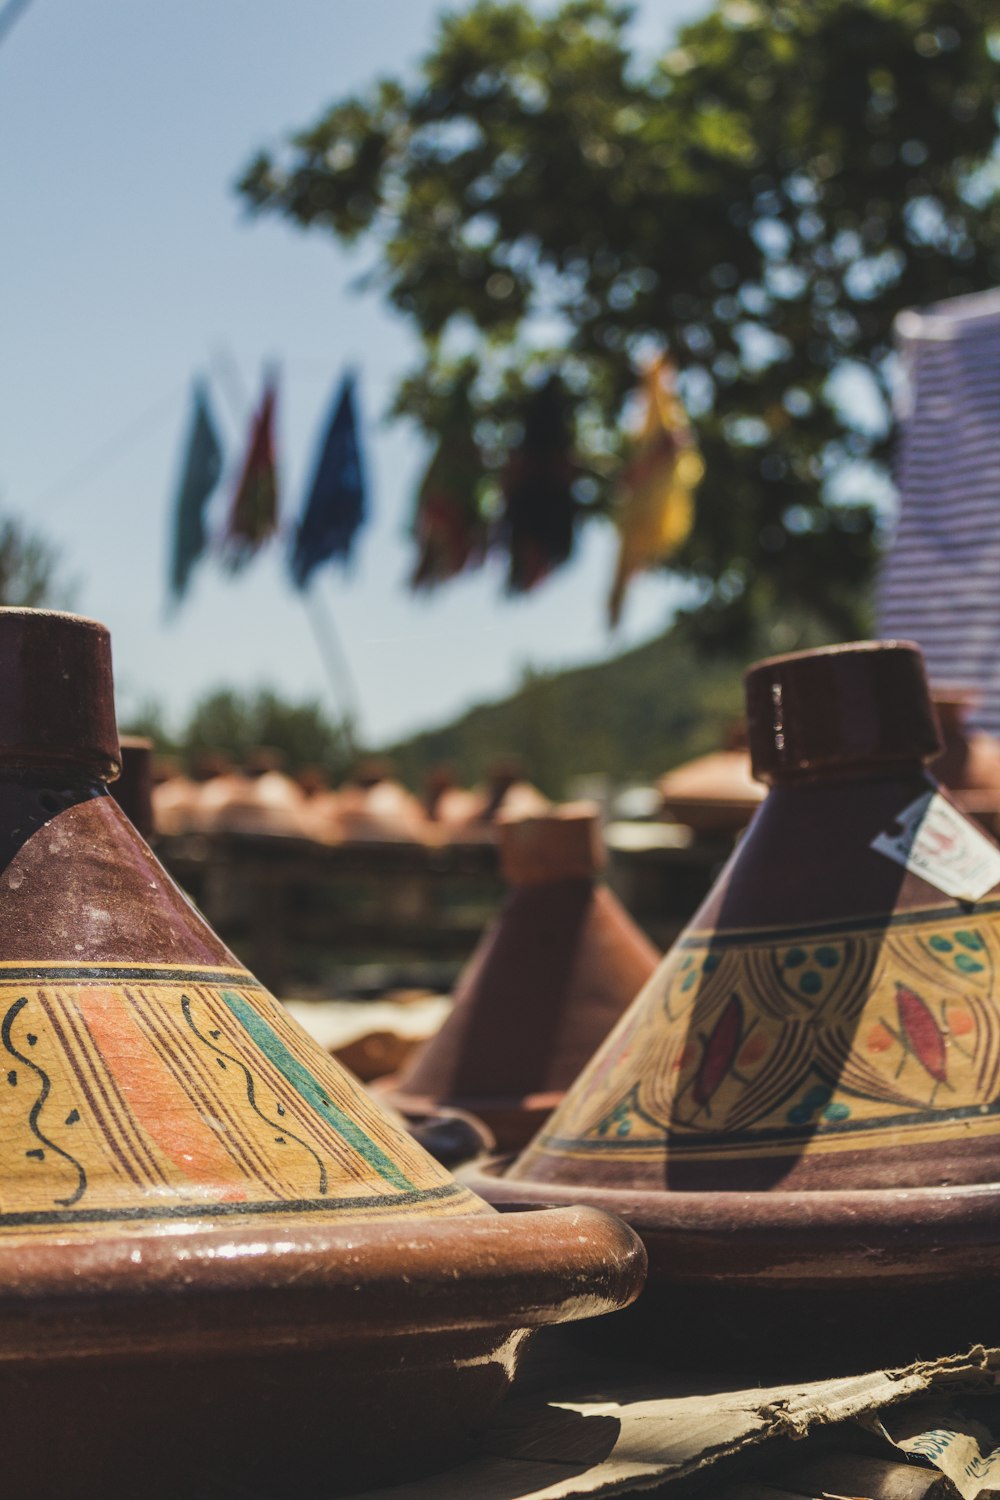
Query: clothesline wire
(333,658)
(10,13)
(98,462)
(107,455)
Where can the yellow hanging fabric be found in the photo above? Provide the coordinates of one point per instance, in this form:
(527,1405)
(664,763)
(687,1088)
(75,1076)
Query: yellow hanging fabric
(654,502)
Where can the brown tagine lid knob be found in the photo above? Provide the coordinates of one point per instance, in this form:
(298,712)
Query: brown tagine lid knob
(839,708)
(544,987)
(171,1141)
(57,703)
(800,1111)
(564,844)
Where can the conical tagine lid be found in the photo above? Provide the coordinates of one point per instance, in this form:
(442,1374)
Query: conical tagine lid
(195,1200)
(800,1112)
(831,1016)
(543,989)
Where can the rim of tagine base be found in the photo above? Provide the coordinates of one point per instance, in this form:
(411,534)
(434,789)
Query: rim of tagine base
(806,1238)
(246,1288)
(793,1285)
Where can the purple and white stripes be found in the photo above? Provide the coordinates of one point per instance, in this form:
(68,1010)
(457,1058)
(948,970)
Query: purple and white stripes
(940,583)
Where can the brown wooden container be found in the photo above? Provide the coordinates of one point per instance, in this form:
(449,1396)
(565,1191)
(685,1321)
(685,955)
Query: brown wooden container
(223,1269)
(543,989)
(801,1111)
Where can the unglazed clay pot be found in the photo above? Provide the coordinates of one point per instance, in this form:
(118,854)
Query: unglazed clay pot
(542,990)
(133,788)
(223,1269)
(801,1111)
(715,794)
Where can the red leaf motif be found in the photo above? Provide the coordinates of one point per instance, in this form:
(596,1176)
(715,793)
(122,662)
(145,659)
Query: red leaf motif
(720,1050)
(923,1035)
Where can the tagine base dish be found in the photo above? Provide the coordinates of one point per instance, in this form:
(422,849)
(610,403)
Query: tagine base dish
(232,1363)
(797,1283)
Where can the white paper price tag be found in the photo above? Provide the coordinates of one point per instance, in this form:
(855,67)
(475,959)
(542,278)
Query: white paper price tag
(941,846)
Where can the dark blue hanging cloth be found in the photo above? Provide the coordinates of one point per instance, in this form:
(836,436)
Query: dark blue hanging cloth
(336,505)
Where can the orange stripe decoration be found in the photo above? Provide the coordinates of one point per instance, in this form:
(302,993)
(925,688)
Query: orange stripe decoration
(158,1103)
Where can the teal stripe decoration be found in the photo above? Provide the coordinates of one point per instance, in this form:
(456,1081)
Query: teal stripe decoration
(306,1085)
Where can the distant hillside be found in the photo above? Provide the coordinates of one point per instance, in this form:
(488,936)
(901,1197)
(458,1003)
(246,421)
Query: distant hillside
(630,718)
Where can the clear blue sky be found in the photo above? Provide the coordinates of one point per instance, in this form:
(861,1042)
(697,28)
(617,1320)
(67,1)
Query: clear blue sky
(128,264)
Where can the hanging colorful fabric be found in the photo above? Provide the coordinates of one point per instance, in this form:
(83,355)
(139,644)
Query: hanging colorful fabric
(335,507)
(200,473)
(654,509)
(540,509)
(448,525)
(253,515)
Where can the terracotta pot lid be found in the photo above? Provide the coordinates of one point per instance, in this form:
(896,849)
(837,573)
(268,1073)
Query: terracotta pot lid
(842,706)
(562,844)
(170,1139)
(547,982)
(714,794)
(133,789)
(818,1051)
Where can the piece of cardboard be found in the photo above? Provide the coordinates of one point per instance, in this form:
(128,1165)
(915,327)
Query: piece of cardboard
(941,1432)
(633,1431)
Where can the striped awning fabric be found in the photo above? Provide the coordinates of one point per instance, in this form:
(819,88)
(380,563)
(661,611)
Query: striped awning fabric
(940,583)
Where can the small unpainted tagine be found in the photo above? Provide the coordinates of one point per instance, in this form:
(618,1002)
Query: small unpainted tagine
(223,1269)
(801,1111)
(543,989)
(133,788)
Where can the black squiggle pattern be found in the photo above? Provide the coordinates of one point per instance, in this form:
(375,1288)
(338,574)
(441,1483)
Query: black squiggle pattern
(251,1088)
(39,1104)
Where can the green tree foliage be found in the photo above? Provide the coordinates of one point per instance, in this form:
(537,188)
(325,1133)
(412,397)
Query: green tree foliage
(29,569)
(630,718)
(235,724)
(150,721)
(763,199)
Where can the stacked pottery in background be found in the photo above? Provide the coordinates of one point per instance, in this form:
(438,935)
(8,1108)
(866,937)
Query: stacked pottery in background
(376,807)
(223,1268)
(715,794)
(546,984)
(258,800)
(801,1111)
(175,799)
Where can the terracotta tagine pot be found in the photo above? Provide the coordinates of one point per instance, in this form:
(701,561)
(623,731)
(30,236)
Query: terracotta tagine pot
(715,794)
(175,800)
(543,989)
(223,1269)
(375,808)
(133,788)
(801,1111)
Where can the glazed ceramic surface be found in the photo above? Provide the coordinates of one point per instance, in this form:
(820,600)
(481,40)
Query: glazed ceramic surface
(829,1016)
(788,1051)
(807,1092)
(202,1216)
